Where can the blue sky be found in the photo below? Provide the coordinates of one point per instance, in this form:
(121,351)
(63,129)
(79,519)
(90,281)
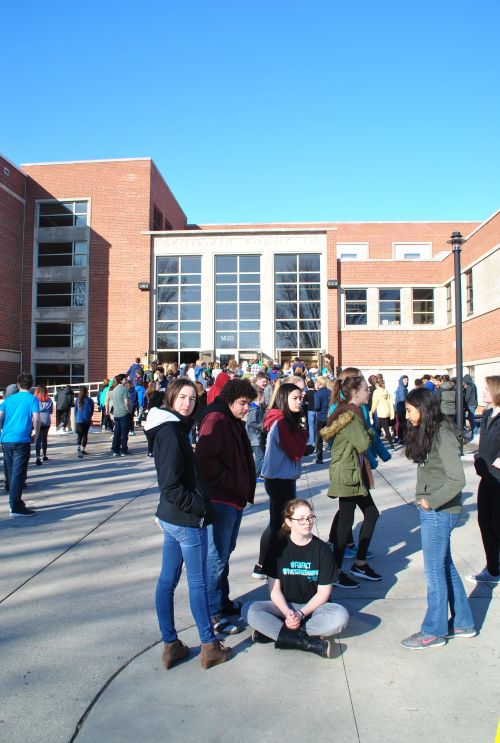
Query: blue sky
(269,110)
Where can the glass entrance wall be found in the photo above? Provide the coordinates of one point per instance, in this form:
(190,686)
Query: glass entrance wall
(237,303)
(178,306)
(297,302)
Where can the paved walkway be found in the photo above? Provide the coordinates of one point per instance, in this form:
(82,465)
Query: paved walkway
(80,652)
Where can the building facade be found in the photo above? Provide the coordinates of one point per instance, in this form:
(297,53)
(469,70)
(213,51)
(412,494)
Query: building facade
(99,265)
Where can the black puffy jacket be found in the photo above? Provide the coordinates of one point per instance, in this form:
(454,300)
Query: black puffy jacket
(489,446)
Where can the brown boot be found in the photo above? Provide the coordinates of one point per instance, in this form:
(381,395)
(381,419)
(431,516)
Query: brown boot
(213,653)
(172,652)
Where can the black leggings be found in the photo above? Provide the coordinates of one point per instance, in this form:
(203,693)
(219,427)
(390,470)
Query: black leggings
(279,492)
(488,514)
(82,430)
(384,423)
(41,442)
(341,531)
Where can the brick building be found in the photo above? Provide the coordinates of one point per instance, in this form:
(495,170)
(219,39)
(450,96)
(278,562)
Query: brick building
(77,239)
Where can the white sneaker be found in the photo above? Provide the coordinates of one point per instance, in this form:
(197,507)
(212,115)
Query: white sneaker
(483,577)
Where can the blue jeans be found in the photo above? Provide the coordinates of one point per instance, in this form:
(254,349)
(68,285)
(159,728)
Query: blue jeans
(120,434)
(258,455)
(311,425)
(222,535)
(16,458)
(183,544)
(443,582)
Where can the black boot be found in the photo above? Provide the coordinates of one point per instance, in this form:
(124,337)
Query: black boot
(298,639)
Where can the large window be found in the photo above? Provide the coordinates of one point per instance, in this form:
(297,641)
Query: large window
(356,307)
(237,302)
(62,214)
(469,292)
(59,373)
(423,306)
(449,305)
(178,309)
(62,254)
(56,294)
(60,335)
(389,306)
(297,301)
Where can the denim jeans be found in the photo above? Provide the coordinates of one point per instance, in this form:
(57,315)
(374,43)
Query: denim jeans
(258,455)
(443,582)
(183,544)
(120,434)
(311,426)
(16,458)
(222,536)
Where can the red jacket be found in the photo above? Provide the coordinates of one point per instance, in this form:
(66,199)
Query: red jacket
(225,457)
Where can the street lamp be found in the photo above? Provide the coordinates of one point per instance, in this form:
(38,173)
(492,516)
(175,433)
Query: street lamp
(456,243)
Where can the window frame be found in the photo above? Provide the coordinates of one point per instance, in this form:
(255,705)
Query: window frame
(422,313)
(351,301)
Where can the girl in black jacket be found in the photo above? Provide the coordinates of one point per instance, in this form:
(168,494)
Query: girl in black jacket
(183,512)
(487,465)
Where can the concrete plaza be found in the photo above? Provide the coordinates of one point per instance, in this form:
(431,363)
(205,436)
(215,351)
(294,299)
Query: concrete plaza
(80,647)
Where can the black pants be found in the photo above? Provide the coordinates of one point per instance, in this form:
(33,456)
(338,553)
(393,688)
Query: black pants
(82,430)
(347,506)
(63,418)
(320,423)
(401,418)
(279,492)
(384,423)
(41,442)
(488,515)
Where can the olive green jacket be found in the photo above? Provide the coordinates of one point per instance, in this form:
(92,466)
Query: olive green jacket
(350,439)
(441,478)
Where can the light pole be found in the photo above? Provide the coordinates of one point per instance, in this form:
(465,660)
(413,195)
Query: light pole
(456,243)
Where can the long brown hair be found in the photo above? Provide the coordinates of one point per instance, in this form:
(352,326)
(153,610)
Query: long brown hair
(83,392)
(349,371)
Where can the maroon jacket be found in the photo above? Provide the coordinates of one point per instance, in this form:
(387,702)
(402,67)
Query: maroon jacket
(225,457)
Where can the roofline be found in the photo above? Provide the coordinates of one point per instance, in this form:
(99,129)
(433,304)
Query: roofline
(242,231)
(11,163)
(480,226)
(329,225)
(84,162)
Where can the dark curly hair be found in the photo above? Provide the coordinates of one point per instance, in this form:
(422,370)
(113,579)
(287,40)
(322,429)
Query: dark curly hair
(419,439)
(237,388)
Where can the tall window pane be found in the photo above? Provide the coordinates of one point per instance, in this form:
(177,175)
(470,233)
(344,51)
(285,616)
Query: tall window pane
(389,306)
(237,301)
(178,297)
(356,307)
(423,306)
(296,301)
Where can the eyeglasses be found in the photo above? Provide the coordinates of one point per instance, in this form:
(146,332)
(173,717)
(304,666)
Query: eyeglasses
(305,520)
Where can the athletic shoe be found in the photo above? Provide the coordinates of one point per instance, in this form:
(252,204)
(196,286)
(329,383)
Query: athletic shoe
(116,454)
(483,577)
(24,512)
(351,552)
(421,641)
(456,632)
(258,573)
(225,626)
(343,581)
(365,571)
(45,459)
(150,453)
(84,452)
(38,462)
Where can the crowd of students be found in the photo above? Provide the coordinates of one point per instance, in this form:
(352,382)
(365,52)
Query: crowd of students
(216,433)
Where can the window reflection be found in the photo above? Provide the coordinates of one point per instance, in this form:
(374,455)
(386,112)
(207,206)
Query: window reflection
(297,323)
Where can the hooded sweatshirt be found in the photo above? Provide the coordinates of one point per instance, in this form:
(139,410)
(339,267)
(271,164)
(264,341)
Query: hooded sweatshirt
(401,392)
(215,389)
(183,496)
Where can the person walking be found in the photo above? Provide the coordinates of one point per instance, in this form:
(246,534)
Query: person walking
(432,443)
(487,464)
(19,416)
(46,407)
(400,405)
(300,570)
(311,413)
(446,395)
(351,479)
(64,404)
(470,397)
(383,407)
(183,514)
(84,410)
(255,419)
(321,405)
(118,402)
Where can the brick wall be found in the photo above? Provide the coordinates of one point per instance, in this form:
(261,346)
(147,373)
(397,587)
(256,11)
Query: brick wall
(12,184)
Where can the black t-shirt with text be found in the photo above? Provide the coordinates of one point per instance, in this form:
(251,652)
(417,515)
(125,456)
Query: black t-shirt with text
(300,569)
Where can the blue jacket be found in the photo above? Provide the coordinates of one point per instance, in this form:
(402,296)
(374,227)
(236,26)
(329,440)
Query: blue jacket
(321,402)
(277,464)
(401,392)
(85,413)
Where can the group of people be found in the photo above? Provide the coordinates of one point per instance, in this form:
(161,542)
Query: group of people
(203,492)
(249,430)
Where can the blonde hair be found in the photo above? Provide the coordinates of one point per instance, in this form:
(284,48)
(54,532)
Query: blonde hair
(493,384)
(321,382)
(292,379)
